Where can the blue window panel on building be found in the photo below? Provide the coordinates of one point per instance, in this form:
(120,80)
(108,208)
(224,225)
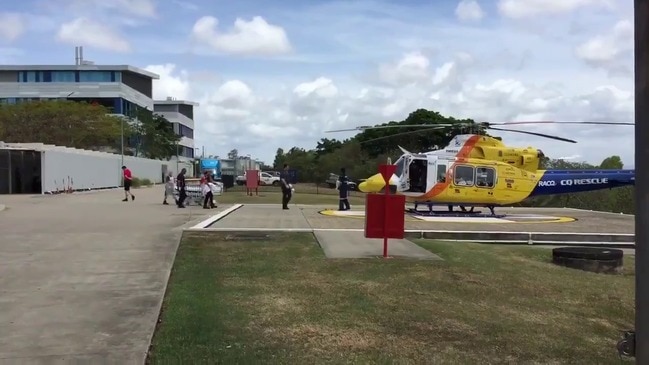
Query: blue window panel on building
(94,76)
(62,76)
(117,105)
(31,76)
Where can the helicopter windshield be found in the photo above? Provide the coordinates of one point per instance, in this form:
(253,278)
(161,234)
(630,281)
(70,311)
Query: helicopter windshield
(400,164)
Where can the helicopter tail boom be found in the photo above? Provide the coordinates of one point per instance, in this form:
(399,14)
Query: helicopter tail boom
(575,181)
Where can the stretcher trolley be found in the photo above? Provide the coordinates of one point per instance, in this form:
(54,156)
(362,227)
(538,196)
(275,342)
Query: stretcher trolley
(195,193)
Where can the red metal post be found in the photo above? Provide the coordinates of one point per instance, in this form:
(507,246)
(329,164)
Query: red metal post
(386,172)
(385,221)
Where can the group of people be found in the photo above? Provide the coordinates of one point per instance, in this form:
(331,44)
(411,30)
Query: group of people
(206,185)
(207,182)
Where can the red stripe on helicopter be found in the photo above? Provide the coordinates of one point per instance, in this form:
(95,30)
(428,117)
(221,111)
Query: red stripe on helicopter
(464,153)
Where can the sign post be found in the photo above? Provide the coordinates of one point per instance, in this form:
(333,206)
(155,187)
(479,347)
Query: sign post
(384,216)
(252,182)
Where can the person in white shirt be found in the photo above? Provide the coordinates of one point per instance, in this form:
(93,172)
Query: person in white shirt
(207,193)
(169,187)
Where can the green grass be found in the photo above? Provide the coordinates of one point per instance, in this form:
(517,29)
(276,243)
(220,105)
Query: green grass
(279,301)
(304,194)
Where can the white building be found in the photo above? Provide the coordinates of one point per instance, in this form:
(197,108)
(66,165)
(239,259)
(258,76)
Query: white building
(120,88)
(181,114)
(36,168)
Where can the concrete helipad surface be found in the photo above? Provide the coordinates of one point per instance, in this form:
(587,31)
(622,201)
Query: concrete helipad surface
(549,225)
(82,276)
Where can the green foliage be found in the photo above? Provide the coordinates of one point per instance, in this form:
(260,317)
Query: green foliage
(59,122)
(152,135)
(136,182)
(361,160)
(85,126)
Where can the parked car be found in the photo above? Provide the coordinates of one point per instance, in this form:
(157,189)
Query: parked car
(264,179)
(331,182)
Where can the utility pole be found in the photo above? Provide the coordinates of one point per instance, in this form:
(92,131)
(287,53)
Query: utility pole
(122,138)
(641,36)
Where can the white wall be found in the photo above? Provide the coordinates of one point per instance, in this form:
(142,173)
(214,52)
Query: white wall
(95,170)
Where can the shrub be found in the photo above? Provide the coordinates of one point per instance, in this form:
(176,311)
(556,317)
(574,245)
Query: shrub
(137,182)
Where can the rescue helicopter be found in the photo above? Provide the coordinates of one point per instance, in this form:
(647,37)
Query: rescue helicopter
(476,170)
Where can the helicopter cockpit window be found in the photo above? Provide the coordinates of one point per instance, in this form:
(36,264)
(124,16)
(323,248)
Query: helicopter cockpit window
(485,177)
(400,162)
(463,176)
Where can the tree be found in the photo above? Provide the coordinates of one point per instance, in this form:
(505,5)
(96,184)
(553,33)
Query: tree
(279,159)
(60,122)
(233,154)
(612,162)
(382,141)
(153,135)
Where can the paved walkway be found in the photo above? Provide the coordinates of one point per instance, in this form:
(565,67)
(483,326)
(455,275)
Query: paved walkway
(82,276)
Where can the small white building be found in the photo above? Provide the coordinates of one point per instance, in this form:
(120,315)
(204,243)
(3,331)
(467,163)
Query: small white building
(37,168)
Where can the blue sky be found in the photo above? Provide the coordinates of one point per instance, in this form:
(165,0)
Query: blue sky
(277,74)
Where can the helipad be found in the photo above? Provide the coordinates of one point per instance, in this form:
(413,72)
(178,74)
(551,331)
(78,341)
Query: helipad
(520,225)
(509,218)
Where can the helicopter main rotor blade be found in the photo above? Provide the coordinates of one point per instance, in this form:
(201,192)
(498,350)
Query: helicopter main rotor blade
(403,134)
(364,128)
(534,134)
(557,122)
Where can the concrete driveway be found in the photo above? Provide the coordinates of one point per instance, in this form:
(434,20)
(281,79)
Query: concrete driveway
(82,276)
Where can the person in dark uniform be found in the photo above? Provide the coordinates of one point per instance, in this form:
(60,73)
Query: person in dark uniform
(286,187)
(343,190)
(180,184)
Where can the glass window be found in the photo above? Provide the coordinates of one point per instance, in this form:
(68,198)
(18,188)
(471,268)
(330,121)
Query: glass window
(94,76)
(463,175)
(485,177)
(118,76)
(62,76)
(400,162)
(441,173)
(31,76)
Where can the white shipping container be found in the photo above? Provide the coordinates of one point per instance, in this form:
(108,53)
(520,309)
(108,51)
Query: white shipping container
(65,168)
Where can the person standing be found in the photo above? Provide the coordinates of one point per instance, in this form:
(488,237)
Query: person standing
(286,187)
(128,180)
(182,192)
(169,187)
(207,192)
(343,190)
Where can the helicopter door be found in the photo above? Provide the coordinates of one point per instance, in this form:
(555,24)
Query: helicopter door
(404,181)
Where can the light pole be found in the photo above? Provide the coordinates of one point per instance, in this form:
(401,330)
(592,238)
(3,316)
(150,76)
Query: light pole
(122,138)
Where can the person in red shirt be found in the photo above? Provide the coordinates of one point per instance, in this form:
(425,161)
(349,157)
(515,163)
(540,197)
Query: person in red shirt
(127,184)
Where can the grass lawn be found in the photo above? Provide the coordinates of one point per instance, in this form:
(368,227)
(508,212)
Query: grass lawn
(280,301)
(304,194)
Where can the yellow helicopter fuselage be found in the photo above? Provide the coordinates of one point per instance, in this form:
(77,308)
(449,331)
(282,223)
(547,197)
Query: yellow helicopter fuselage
(457,177)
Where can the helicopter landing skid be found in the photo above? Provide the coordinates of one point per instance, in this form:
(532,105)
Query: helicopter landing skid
(463,212)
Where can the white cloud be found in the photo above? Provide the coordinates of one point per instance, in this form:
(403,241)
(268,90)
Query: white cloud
(412,67)
(93,34)
(12,26)
(468,10)
(608,50)
(254,37)
(519,9)
(169,85)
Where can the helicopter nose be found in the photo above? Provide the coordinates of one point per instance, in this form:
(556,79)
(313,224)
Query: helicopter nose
(373,184)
